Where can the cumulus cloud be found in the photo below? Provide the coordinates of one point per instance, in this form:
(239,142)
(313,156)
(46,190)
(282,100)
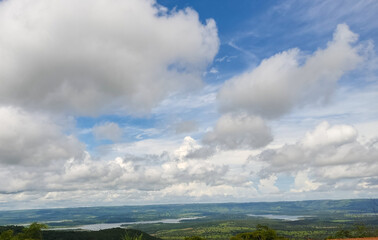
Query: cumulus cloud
(280,83)
(325,135)
(33,139)
(108,130)
(303,183)
(267,185)
(146,172)
(188,145)
(328,155)
(238,131)
(291,79)
(191,149)
(89,57)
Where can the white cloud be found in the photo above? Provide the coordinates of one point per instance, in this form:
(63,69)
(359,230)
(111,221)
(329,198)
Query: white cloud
(282,82)
(33,139)
(188,145)
(108,130)
(329,156)
(267,185)
(325,135)
(238,131)
(190,149)
(91,57)
(303,183)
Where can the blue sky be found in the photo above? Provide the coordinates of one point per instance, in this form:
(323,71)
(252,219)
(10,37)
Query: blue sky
(141,102)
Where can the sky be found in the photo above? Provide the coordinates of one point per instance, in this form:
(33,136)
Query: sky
(114,102)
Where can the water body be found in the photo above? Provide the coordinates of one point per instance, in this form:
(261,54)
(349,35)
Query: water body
(280,217)
(102,226)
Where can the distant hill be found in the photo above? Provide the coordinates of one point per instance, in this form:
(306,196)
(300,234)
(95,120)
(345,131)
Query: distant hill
(108,234)
(71,217)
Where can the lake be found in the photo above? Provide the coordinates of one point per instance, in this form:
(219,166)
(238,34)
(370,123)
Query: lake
(102,226)
(281,217)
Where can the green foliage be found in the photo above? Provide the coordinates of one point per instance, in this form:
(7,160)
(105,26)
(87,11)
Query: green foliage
(130,237)
(195,238)
(33,232)
(106,234)
(341,234)
(261,233)
(358,231)
(7,235)
(223,227)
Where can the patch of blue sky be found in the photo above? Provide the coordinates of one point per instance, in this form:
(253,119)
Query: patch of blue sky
(232,59)
(285,182)
(360,78)
(228,14)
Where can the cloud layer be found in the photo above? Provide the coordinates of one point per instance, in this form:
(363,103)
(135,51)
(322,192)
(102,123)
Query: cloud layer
(131,172)
(77,78)
(91,57)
